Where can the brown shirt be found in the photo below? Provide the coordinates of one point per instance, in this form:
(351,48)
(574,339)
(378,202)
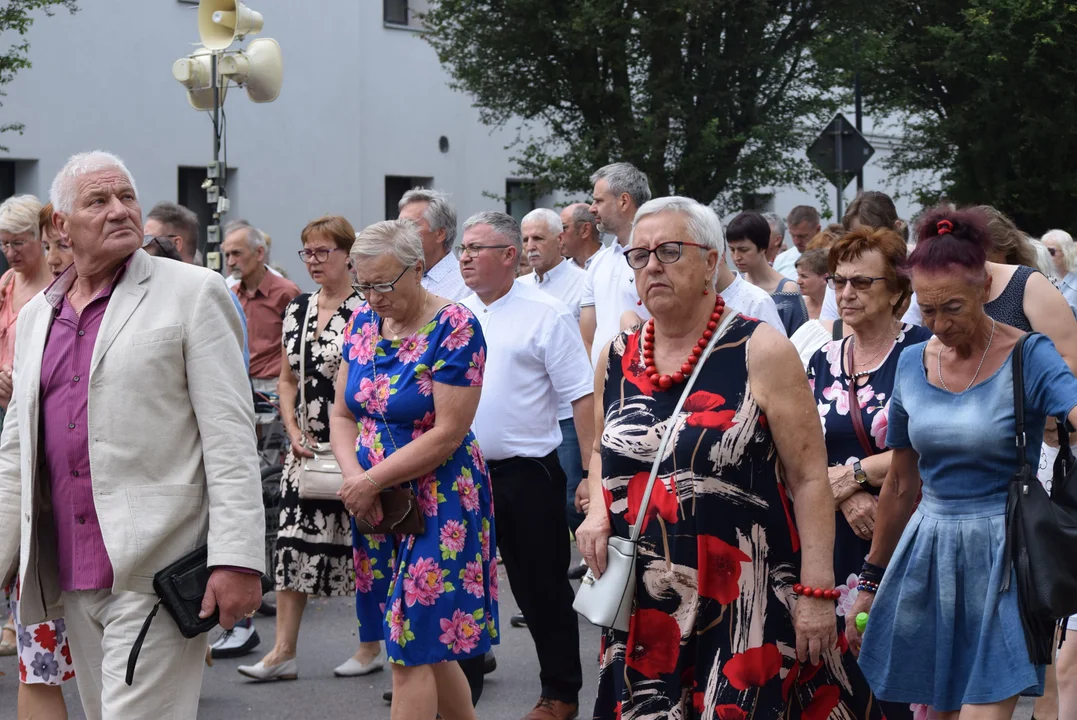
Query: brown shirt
(265,321)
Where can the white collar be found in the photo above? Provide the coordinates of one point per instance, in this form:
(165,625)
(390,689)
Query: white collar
(551,274)
(501,301)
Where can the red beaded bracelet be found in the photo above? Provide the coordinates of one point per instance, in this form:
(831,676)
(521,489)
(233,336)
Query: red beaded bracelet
(808,591)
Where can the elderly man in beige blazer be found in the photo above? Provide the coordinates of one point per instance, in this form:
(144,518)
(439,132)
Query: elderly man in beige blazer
(129,442)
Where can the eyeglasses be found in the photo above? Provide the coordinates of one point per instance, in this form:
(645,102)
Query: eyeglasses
(318,254)
(1051,250)
(364,288)
(859,282)
(473,250)
(164,242)
(667,253)
(16,246)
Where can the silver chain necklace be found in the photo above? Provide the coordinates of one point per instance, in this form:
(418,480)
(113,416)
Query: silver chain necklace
(978,367)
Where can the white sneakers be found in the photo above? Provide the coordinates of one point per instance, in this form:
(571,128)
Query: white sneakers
(353,668)
(287,670)
(237,642)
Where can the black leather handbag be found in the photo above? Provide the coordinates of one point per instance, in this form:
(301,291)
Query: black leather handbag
(1041,533)
(181,587)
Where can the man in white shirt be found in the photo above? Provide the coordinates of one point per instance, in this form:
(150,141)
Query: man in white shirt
(745,298)
(610,291)
(803,222)
(558,277)
(535,358)
(435,216)
(581,238)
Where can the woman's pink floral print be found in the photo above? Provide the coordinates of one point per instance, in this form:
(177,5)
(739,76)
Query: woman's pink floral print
(460,337)
(425,379)
(361,343)
(455,315)
(477,368)
(484,537)
(427,496)
(424,583)
(476,456)
(376,455)
(412,348)
(461,633)
(465,486)
(368,431)
(472,573)
(374,394)
(399,628)
(836,394)
(848,596)
(364,570)
(493,578)
(878,426)
(453,535)
(422,425)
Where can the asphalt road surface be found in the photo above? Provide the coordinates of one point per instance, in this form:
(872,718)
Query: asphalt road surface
(328,637)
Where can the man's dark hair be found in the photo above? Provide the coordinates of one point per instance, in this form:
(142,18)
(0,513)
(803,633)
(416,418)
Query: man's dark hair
(749,225)
(183,221)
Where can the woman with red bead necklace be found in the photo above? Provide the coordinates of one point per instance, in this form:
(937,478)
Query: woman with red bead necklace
(734,612)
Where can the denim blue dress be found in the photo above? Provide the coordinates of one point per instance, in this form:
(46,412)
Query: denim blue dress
(940,631)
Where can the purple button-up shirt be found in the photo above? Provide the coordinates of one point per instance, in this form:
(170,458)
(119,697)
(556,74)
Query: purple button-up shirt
(65,376)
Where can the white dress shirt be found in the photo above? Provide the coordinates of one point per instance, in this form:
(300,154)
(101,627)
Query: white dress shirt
(786,262)
(611,288)
(587,262)
(752,301)
(829,311)
(564,281)
(1068,287)
(444,279)
(534,359)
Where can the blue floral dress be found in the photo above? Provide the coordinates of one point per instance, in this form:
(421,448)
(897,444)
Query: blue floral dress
(431,597)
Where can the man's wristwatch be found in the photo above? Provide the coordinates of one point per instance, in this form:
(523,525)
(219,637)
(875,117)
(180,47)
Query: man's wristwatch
(584,474)
(859,474)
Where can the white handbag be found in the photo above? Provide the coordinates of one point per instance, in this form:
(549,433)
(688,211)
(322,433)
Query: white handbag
(607,601)
(319,476)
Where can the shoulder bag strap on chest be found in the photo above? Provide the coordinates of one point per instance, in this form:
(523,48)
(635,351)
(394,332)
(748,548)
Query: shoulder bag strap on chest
(301,411)
(637,527)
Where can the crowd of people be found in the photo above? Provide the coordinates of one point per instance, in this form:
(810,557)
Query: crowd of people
(843,453)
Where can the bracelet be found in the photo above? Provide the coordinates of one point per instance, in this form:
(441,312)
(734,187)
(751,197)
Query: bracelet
(371,480)
(585,473)
(808,591)
(872,573)
(867,586)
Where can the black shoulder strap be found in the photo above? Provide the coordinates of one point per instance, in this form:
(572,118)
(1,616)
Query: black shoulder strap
(839,331)
(1019,401)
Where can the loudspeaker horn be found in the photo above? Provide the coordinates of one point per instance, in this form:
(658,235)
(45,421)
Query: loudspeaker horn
(222,22)
(259,68)
(195,73)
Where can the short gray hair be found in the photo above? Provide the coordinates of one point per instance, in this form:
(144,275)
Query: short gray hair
(255,237)
(581,213)
(400,238)
(62,192)
(440,213)
(20,214)
(703,224)
(624,177)
(504,225)
(776,223)
(1065,245)
(552,219)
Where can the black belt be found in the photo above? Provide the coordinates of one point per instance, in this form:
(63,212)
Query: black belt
(495,464)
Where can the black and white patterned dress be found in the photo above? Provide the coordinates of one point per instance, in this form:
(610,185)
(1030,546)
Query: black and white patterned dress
(314,544)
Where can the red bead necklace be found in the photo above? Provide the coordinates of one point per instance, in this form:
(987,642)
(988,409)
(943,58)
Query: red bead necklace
(665,382)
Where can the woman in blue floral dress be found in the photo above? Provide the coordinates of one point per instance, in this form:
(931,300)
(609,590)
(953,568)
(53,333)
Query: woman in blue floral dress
(406,398)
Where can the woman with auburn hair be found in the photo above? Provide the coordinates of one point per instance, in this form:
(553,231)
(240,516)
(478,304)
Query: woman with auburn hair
(945,627)
(314,550)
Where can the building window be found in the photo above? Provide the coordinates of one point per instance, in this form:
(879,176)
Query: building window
(191,195)
(7,179)
(396,186)
(519,198)
(759,202)
(396,12)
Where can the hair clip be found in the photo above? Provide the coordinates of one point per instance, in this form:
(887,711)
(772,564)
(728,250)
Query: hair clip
(944,227)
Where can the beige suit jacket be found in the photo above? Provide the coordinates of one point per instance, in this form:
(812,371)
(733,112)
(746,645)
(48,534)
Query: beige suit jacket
(173,459)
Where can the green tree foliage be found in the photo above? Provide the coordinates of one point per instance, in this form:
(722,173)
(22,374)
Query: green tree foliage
(17,16)
(989,90)
(711,99)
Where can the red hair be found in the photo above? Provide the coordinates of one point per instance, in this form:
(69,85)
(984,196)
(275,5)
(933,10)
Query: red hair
(949,239)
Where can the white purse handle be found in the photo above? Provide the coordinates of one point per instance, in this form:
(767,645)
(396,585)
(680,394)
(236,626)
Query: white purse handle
(637,527)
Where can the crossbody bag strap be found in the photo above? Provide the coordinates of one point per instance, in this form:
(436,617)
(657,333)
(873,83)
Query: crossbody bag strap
(301,411)
(854,408)
(637,527)
(1024,470)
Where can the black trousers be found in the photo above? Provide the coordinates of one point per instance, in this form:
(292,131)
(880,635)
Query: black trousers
(532,535)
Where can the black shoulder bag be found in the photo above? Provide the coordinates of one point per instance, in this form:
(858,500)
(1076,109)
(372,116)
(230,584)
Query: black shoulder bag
(1041,533)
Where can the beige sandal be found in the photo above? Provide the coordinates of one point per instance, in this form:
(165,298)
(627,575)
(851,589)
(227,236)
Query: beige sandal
(8,647)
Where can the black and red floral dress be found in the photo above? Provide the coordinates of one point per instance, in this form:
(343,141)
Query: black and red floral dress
(712,634)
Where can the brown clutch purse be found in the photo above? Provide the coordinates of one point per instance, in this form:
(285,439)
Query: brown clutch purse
(400,515)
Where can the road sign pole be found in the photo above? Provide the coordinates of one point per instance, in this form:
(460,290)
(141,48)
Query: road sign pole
(839,130)
(859,108)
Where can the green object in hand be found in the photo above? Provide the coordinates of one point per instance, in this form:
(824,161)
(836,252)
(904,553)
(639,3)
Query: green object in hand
(861,622)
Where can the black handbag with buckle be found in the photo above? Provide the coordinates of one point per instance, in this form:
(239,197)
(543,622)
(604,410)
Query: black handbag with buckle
(181,587)
(1039,529)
